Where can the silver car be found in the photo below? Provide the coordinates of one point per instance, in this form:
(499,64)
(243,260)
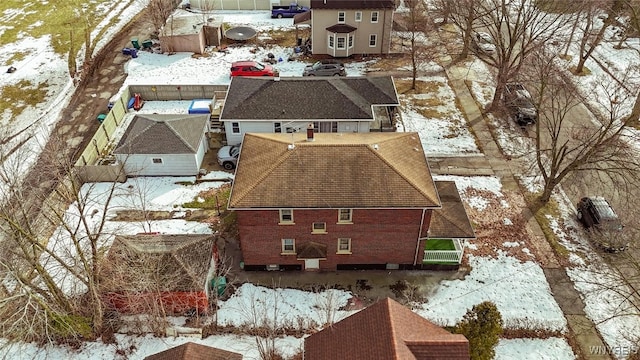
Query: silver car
(483,42)
(325,68)
(228,156)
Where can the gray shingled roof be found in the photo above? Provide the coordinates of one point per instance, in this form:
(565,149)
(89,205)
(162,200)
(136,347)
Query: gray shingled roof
(353,4)
(163,134)
(307,98)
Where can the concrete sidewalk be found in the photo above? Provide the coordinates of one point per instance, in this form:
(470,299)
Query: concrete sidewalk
(582,329)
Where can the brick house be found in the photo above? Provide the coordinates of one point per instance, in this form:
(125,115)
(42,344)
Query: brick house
(333,201)
(341,28)
(385,330)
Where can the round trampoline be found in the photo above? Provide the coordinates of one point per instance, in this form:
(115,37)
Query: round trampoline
(240,33)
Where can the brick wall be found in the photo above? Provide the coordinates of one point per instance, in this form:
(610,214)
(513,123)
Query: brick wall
(377,236)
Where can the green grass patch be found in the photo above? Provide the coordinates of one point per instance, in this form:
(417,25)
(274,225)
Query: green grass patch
(439,244)
(211,199)
(58,18)
(549,209)
(19,96)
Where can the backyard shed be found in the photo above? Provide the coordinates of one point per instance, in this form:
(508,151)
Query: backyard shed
(188,32)
(163,145)
(142,271)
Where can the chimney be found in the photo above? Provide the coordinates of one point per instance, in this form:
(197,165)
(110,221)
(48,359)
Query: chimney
(310,132)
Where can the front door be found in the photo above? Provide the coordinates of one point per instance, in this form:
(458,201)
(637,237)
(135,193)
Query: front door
(311,264)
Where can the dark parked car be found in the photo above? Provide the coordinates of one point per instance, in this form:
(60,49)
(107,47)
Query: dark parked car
(228,156)
(518,100)
(251,68)
(325,68)
(597,215)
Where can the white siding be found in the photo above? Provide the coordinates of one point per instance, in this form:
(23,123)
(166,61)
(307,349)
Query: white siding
(172,165)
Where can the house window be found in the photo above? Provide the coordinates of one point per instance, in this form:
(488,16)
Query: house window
(358,16)
(325,126)
(286,216)
(277,127)
(350,41)
(373,39)
(235,127)
(290,130)
(374,16)
(344,246)
(319,228)
(330,41)
(341,43)
(341,17)
(344,215)
(157,160)
(288,246)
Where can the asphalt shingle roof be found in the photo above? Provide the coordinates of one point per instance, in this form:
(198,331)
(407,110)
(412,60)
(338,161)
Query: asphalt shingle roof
(336,170)
(193,351)
(451,221)
(258,98)
(163,134)
(385,330)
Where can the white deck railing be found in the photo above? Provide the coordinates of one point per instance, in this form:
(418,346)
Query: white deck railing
(446,255)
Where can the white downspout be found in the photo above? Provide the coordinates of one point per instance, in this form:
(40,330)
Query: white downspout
(415,258)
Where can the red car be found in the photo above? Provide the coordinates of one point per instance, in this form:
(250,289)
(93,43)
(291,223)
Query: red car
(251,68)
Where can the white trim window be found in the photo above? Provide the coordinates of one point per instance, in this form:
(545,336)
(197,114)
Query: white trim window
(345,216)
(374,17)
(325,126)
(350,41)
(331,40)
(342,17)
(373,40)
(286,216)
(235,127)
(277,127)
(342,43)
(344,246)
(288,246)
(156,160)
(358,16)
(319,228)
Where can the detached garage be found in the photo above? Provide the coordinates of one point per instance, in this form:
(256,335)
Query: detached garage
(163,145)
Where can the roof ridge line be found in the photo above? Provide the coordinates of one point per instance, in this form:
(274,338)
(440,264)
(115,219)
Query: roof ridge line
(352,95)
(130,141)
(265,174)
(401,174)
(179,135)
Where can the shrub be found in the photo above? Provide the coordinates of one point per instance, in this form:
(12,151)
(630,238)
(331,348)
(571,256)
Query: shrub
(482,326)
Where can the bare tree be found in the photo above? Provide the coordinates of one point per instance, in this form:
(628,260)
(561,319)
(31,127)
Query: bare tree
(565,145)
(418,25)
(518,28)
(160,10)
(463,14)
(50,255)
(591,37)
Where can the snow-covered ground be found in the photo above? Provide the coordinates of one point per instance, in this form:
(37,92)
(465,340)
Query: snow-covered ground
(518,288)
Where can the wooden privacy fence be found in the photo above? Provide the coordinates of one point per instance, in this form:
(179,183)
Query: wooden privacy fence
(176,92)
(95,163)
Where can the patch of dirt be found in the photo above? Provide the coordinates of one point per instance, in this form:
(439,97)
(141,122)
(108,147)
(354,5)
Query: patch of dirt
(141,215)
(502,224)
